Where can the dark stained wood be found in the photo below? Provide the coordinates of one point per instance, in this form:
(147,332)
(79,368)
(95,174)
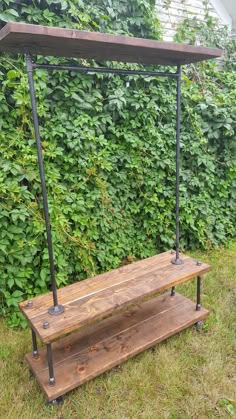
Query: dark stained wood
(95,298)
(98,282)
(44,40)
(89,352)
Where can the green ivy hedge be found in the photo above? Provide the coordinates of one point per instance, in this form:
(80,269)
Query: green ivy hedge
(109,149)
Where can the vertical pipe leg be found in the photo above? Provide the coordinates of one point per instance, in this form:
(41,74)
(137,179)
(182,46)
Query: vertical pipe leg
(50,365)
(35,346)
(172,292)
(198,305)
(177,260)
(56,308)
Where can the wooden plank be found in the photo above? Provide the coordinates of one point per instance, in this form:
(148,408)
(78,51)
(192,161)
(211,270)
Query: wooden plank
(85,287)
(44,40)
(88,353)
(87,337)
(95,298)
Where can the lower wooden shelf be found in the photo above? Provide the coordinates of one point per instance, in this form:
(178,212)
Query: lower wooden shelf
(83,355)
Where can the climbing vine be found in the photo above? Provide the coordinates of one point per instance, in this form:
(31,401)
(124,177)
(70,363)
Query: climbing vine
(109,150)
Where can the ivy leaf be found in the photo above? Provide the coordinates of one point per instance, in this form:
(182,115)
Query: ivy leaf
(12,74)
(9,15)
(10,282)
(17,294)
(44,274)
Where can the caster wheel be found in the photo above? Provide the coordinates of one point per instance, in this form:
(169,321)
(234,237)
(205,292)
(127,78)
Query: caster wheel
(56,402)
(199,325)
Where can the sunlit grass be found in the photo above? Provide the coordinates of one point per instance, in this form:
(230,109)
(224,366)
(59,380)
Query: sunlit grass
(191,375)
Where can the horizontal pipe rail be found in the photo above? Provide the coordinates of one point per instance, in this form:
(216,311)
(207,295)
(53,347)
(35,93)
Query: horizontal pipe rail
(104,70)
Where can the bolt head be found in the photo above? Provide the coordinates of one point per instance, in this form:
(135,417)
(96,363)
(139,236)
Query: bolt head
(29,303)
(199,263)
(52,381)
(46,324)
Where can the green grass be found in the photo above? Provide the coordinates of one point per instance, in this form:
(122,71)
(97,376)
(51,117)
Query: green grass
(191,375)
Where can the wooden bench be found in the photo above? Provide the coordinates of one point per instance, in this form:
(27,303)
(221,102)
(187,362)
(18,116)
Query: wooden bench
(137,324)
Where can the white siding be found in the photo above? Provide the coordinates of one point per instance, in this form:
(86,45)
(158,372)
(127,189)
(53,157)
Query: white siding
(172,12)
(223,12)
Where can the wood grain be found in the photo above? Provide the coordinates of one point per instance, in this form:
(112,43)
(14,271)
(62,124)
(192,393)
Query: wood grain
(95,298)
(90,352)
(44,40)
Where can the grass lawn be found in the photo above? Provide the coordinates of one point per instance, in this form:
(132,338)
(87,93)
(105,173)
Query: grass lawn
(191,375)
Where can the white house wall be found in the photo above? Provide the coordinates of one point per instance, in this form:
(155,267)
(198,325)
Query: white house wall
(222,12)
(172,12)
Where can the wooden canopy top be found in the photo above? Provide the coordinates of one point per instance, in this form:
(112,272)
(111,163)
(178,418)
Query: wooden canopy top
(46,40)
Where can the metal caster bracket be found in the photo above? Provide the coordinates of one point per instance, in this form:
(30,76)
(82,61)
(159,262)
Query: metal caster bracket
(199,325)
(55,402)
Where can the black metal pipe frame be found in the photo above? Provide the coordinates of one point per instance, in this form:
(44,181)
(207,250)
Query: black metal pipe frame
(177,75)
(56,308)
(177,260)
(50,365)
(83,69)
(198,305)
(35,346)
